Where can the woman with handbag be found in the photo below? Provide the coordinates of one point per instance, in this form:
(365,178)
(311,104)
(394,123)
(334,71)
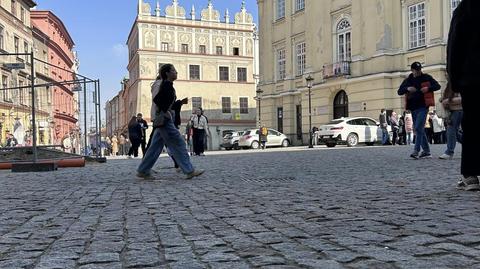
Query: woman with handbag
(165,132)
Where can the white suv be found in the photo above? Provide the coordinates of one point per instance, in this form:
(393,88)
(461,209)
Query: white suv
(350,131)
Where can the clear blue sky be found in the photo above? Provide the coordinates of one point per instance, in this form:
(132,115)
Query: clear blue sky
(100,30)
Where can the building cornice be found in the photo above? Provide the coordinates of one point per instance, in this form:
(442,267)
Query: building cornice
(43,14)
(195,54)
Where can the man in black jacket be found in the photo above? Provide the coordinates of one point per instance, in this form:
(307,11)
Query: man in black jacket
(144,126)
(463,57)
(415,87)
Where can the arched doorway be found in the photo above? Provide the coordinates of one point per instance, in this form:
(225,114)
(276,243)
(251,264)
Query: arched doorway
(340,105)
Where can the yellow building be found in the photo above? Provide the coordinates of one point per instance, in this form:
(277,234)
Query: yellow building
(214,60)
(357,51)
(15,37)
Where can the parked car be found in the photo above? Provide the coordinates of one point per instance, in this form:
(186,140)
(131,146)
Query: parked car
(250,139)
(230,140)
(351,131)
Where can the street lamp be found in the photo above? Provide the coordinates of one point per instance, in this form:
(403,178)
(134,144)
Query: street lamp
(3,117)
(309,80)
(259,97)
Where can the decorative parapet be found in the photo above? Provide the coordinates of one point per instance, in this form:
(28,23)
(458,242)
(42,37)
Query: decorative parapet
(210,14)
(243,17)
(175,11)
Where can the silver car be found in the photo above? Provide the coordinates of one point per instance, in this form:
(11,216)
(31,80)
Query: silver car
(230,140)
(250,139)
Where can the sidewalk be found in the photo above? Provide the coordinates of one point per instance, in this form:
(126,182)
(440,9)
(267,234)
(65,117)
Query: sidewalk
(367,207)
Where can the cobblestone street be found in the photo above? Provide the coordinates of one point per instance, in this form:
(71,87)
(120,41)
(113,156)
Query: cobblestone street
(365,207)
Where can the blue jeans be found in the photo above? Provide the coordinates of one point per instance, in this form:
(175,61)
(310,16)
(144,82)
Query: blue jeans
(385,136)
(171,136)
(453,134)
(419,117)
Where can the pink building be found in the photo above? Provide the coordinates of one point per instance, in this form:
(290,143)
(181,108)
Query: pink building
(60,53)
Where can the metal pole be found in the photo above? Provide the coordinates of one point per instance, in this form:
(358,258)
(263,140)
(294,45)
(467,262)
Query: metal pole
(34,125)
(99,116)
(259,111)
(96,113)
(85,116)
(310,145)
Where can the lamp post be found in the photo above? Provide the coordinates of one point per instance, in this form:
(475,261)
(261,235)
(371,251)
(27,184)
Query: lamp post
(309,80)
(259,98)
(2,120)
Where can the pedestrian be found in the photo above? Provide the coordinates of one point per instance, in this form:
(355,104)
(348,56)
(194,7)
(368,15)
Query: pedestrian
(452,103)
(437,124)
(189,136)
(135,135)
(382,118)
(114,145)
(164,129)
(11,141)
(418,88)
(144,127)
(408,127)
(401,131)
(463,57)
(395,127)
(207,132)
(429,128)
(177,108)
(263,137)
(200,125)
(122,144)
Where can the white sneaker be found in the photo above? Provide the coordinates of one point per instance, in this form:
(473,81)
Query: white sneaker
(195,173)
(445,156)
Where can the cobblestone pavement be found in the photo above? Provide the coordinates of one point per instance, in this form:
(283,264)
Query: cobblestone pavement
(367,207)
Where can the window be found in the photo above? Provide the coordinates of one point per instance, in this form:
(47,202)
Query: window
(223,73)
(184,48)
(243,105)
(164,46)
(21,92)
(196,102)
(344,37)
(219,50)
(453,5)
(226,105)
(301,58)
(280,9)
(22,14)
(16,42)
(14,8)
(194,72)
(236,51)
(4,86)
(416,25)
(281,62)
(242,74)
(299,5)
(2,38)
(25,48)
(203,49)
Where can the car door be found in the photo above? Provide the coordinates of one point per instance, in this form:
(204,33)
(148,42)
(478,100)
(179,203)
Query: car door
(355,126)
(273,138)
(370,130)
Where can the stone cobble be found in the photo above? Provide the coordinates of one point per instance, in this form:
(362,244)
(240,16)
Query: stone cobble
(365,207)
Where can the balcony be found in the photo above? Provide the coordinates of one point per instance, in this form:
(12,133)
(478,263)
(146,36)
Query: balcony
(336,70)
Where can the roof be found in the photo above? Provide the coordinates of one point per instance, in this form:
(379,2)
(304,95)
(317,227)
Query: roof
(48,14)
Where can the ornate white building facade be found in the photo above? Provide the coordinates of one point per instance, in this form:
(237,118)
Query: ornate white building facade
(214,60)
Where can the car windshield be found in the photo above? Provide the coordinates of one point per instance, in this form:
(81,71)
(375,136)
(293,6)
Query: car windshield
(247,133)
(335,121)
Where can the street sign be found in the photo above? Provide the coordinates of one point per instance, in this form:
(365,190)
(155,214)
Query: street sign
(14,65)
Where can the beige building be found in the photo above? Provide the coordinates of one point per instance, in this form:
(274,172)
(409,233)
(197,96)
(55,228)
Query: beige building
(357,51)
(15,37)
(214,59)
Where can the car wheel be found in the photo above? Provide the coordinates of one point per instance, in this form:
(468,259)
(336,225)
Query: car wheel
(370,143)
(235,146)
(331,145)
(255,145)
(352,140)
(228,148)
(285,143)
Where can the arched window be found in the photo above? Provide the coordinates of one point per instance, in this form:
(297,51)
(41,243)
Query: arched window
(344,37)
(340,105)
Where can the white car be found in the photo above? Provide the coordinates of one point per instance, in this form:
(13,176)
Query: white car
(250,139)
(351,131)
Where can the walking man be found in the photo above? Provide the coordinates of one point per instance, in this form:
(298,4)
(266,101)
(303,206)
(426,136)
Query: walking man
(383,125)
(463,57)
(144,126)
(415,88)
